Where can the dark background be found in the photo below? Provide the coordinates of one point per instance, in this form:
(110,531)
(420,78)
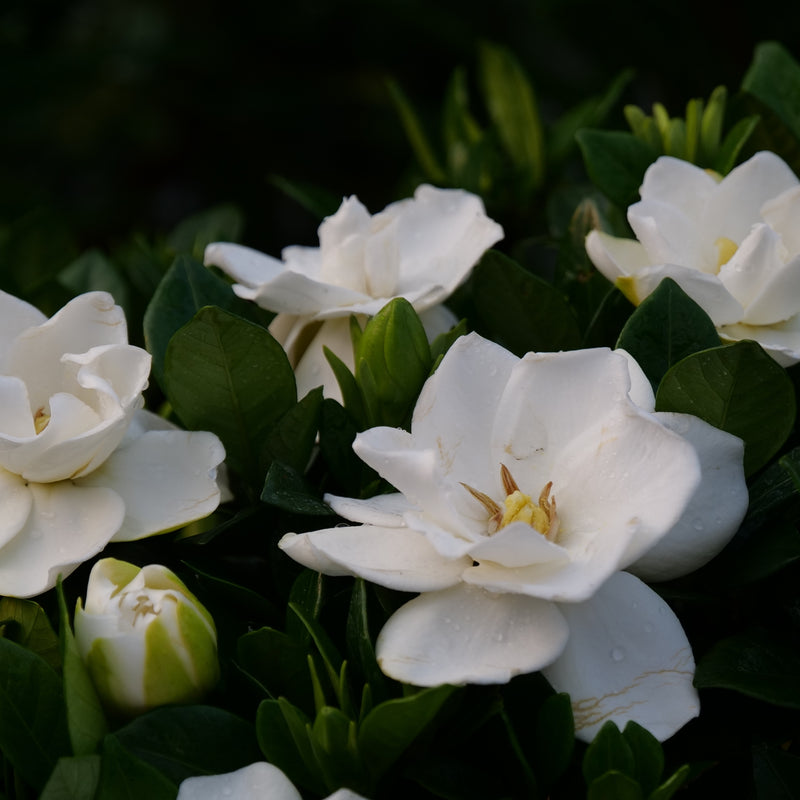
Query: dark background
(130,115)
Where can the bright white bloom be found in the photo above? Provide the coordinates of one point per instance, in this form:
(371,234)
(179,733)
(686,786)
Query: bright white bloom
(733,245)
(80,463)
(420,248)
(525,487)
(259,780)
(146,639)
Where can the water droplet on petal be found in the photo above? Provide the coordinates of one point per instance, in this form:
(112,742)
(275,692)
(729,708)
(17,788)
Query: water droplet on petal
(697,524)
(649,627)
(617,654)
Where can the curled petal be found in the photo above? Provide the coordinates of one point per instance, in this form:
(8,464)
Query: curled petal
(627,658)
(384,509)
(615,256)
(714,512)
(781,341)
(256,780)
(15,316)
(465,634)
(166,479)
(398,558)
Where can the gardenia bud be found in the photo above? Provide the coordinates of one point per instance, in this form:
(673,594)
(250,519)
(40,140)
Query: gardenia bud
(146,640)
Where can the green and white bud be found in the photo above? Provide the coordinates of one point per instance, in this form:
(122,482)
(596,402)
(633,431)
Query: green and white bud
(145,638)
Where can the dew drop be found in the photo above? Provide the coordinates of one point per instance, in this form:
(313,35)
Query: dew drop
(697,524)
(649,627)
(617,654)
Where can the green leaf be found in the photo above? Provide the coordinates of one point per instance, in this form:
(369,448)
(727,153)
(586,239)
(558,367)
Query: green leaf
(319,202)
(734,141)
(389,729)
(351,393)
(614,786)
(774,78)
(664,329)
(463,138)
(647,755)
(333,741)
(739,389)
(223,223)
(711,121)
(774,547)
(326,648)
(85,718)
(776,774)
(182,741)
(186,287)
(24,622)
(277,662)
(33,726)
(555,738)
(93,272)
(337,430)
(229,376)
(359,641)
(672,784)
(292,439)
(757,663)
(283,735)
(392,363)
(519,310)
(608,751)
(125,777)
(616,162)
(511,103)
(285,488)
(73,779)
(415,134)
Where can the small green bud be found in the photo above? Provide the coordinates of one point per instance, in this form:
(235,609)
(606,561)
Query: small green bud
(146,639)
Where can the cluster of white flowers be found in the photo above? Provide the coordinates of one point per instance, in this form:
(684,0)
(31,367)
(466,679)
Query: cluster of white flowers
(81,464)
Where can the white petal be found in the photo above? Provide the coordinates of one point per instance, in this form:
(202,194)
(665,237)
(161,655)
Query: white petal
(518,545)
(670,235)
(245,265)
(87,321)
(293,293)
(15,316)
(436,320)
(737,200)
(641,391)
(453,415)
(17,420)
(614,256)
(627,658)
(16,501)
(715,511)
(384,509)
(706,290)
(166,479)
(781,341)
(398,558)
(468,635)
(782,213)
(679,184)
(313,369)
(257,780)
(67,525)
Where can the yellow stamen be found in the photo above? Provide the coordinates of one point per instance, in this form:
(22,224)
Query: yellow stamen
(40,420)
(725,250)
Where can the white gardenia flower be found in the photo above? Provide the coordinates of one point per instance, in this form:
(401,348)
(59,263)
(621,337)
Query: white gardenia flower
(732,244)
(254,782)
(80,463)
(147,641)
(526,486)
(420,248)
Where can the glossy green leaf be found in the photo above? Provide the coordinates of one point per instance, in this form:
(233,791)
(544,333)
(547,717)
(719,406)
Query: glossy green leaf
(608,751)
(292,439)
(664,329)
(774,78)
(739,389)
(774,547)
(123,776)
(757,663)
(337,430)
(285,488)
(616,162)
(391,727)
(33,726)
(85,718)
(24,622)
(614,786)
(351,394)
(648,756)
(360,647)
(555,738)
(712,120)
(226,375)
(671,785)
(182,741)
(186,287)
(74,778)
(519,310)
(92,271)
(392,362)
(330,656)
(512,106)
(334,743)
(733,143)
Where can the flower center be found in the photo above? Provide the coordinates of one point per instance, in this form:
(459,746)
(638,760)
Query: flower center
(40,420)
(519,507)
(725,250)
